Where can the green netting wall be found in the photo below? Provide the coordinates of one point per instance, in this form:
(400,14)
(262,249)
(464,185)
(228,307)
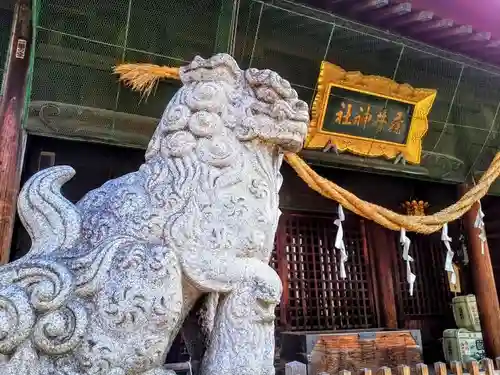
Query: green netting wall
(79,41)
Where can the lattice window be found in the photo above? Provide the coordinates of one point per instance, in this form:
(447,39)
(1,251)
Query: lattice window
(431,295)
(315,297)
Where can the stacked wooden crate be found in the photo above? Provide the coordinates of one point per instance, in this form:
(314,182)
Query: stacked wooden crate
(354,351)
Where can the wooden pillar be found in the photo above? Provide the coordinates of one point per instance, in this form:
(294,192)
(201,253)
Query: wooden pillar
(382,246)
(484,285)
(11,114)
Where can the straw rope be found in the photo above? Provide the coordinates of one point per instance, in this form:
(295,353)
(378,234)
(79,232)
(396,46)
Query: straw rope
(144,77)
(390,219)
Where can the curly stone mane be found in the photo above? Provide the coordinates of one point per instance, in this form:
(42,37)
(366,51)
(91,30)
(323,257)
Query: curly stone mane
(216,103)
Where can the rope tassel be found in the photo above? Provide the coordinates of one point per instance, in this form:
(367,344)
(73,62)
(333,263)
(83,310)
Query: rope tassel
(144,77)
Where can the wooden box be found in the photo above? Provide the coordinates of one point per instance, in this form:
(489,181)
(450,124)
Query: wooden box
(352,350)
(462,345)
(465,313)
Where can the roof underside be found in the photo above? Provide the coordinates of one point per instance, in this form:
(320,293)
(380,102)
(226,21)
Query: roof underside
(460,26)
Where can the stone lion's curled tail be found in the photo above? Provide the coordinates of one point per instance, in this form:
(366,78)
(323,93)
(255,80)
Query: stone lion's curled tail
(51,220)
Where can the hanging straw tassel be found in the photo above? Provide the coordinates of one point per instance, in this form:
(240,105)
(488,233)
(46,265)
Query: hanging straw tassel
(144,77)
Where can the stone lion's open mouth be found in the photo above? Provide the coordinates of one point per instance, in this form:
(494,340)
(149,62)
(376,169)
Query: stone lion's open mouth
(290,135)
(282,123)
(287,141)
(292,142)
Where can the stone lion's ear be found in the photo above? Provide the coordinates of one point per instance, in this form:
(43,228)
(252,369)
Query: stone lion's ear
(221,67)
(259,79)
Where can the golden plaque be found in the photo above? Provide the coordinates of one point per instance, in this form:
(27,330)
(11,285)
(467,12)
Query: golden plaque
(368,115)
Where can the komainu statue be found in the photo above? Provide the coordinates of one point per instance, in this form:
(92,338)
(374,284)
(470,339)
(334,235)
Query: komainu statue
(109,282)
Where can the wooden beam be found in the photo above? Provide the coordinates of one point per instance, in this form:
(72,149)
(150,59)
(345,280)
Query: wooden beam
(432,26)
(418,17)
(484,284)
(391,11)
(461,31)
(483,36)
(382,246)
(494,44)
(475,42)
(364,6)
(11,113)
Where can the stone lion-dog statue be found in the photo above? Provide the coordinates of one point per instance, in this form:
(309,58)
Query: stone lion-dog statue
(109,282)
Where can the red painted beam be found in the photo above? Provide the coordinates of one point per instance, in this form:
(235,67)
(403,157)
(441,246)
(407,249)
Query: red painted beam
(11,110)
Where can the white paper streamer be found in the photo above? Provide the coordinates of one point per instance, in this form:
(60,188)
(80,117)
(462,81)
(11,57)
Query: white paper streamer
(448,263)
(463,246)
(339,241)
(479,223)
(410,276)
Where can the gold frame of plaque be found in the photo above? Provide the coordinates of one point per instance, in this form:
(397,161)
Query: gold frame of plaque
(410,130)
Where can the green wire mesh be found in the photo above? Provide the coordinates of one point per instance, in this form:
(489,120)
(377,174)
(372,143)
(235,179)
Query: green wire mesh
(5,26)
(79,41)
(75,93)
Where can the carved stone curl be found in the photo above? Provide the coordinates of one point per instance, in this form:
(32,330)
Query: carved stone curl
(109,282)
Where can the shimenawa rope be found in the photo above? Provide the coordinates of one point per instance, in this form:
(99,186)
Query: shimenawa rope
(144,77)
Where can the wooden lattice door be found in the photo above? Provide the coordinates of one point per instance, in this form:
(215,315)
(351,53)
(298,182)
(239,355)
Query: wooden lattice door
(315,297)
